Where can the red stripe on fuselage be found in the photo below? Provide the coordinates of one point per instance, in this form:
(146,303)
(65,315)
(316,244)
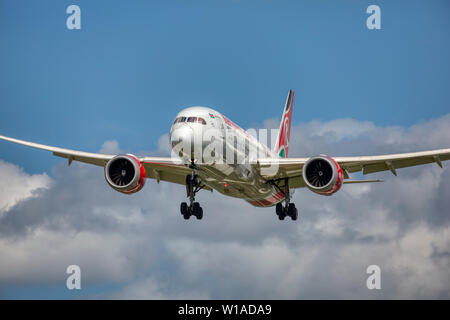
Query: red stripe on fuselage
(269,201)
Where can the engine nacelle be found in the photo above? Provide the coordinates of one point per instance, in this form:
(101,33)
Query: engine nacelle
(125,173)
(323,175)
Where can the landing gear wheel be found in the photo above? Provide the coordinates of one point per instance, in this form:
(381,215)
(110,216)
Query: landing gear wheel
(292,211)
(279,209)
(295,216)
(199,214)
(184,208)
(197,211)
(195,207)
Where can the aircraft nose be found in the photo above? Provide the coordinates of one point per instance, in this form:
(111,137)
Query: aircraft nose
(182,141)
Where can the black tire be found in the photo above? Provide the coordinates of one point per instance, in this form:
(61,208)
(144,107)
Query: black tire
(184,208)
(295,215)
(195,208)
(279,209)
(186,216)
(199,215)
(291,210)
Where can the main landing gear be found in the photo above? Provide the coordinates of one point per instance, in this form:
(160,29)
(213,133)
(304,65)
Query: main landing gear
(193,185)
(288,209)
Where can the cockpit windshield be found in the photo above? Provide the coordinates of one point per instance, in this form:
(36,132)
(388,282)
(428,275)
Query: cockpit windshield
(190,119)
(201,120)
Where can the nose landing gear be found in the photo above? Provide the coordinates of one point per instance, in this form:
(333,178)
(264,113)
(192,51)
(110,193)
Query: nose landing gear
(193,185)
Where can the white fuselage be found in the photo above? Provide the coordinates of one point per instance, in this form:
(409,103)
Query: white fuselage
(203,135)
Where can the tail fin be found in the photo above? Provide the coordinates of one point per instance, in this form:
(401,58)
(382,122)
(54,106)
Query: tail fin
(282,143)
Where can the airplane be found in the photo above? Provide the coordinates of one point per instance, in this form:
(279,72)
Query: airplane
(263,177)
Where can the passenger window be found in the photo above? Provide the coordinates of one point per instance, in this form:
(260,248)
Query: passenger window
(192,119)
(202,121)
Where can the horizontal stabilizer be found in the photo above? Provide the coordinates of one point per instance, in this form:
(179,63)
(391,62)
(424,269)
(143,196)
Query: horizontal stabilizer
(362,181)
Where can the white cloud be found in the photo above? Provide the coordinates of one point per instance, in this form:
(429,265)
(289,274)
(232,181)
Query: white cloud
(110,147)
(18,186)
(339,129)
(43,256)
(151,288)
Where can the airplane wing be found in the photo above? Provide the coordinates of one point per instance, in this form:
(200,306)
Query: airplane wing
(278,169)
(167,169)
(158,168)
(371,164)
(175,171)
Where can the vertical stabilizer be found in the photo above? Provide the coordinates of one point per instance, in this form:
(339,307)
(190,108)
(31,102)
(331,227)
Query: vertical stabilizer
(282,143)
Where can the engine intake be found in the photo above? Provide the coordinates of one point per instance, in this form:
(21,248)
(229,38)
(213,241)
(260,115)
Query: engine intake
(323,175)
(125,173)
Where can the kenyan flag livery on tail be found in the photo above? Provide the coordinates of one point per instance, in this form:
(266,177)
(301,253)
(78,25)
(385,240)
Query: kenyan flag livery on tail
(282,145)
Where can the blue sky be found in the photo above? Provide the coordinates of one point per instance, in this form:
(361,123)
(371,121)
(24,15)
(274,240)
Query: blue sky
(134,65)
(131,68)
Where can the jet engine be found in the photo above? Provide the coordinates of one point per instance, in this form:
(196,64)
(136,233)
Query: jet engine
(125,173)
(323,175)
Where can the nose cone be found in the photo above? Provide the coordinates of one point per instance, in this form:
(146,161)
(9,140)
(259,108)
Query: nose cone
(182,141)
